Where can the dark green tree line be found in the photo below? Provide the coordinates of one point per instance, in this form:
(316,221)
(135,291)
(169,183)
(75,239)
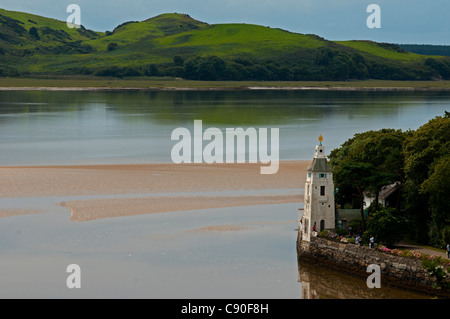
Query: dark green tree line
(417,161)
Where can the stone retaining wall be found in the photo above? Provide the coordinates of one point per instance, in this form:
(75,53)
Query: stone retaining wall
(397,271)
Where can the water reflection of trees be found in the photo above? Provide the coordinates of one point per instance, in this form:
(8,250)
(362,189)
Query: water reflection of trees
(319,282)
(217,107)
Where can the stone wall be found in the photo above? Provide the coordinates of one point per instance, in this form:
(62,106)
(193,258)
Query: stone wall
(398,271)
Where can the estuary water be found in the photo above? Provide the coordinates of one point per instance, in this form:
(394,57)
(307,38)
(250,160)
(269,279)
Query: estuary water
(88,127)
(169,255)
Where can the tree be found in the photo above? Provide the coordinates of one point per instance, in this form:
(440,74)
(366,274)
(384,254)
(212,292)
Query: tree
(34,33)
(206,68)
(178,60)
(425,153)
(151,70)
(381,151)
(441,68)
(176,71)
(387,226)
(206,71)
(418,161)
(339,68)
(355,179)
(130,71)
(191,68)
(437,186)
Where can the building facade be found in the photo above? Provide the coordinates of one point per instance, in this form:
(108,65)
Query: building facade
(319,208)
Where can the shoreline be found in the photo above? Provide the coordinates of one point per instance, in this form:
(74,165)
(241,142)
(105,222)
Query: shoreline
(165,84)
(248,88)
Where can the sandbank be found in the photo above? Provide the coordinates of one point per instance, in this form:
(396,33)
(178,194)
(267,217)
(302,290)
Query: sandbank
(15,212)
(133,189)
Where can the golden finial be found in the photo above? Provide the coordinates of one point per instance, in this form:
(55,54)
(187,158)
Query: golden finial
(320,139)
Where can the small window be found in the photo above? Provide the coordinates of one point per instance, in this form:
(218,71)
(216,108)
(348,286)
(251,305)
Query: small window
(322,190)
(322,175)
(309,174)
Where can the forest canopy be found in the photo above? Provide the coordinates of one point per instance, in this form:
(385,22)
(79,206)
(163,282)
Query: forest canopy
(418,161)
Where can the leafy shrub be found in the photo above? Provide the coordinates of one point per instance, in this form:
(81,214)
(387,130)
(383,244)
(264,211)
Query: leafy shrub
(130,71)
(151,70)
(387,227)
(111,46)
(176,71)
(118,72)
(58,35)
(87,33)
(111,71)
(34,33)
(438,272)
(342,232)
(355,223)
(12,24)
(178,60)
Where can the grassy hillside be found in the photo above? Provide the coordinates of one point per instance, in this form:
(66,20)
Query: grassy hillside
(15,32)
(159,26)
(383,50)
(180,46)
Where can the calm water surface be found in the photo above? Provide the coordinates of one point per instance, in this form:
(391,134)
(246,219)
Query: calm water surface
(168,255)
(42,127)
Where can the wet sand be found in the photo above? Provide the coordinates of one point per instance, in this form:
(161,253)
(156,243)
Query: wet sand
(15,212)
(152,188)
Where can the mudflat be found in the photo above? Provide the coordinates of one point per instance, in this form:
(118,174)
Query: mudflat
(131,189)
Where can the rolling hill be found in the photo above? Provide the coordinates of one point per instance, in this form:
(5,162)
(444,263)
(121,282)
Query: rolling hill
(177,45)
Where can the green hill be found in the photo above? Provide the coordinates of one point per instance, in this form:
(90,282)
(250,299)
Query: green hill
(428,49)
(180,46)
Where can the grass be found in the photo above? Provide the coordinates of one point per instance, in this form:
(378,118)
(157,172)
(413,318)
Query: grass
(231,39)
(159,26)
(31,20)
(376,49)
(149,82)
(159,39)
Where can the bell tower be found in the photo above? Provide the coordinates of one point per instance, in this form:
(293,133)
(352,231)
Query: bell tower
(319,211)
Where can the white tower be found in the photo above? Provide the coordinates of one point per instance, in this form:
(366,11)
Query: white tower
(319,212)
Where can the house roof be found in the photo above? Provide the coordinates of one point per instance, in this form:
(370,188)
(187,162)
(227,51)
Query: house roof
(387,190)
(319,165)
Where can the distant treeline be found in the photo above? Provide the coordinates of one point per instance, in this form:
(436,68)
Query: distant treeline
(320,65)
(427,49)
